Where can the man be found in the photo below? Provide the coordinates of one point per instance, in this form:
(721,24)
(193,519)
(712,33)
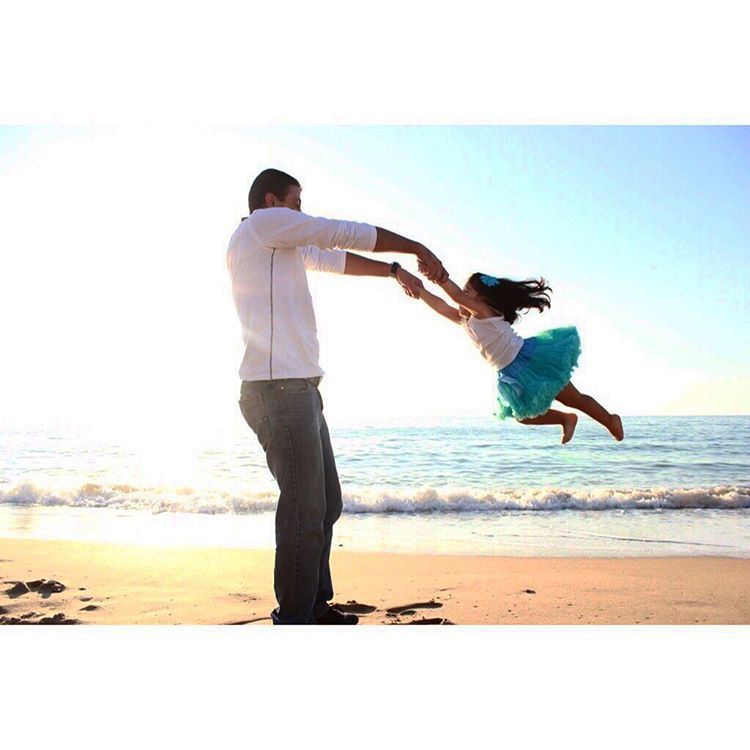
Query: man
(267,258)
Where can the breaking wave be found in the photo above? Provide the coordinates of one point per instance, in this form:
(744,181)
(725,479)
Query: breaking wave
(381,500)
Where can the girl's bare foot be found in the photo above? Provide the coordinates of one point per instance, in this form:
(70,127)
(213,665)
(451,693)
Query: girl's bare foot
(615,427)
(569,427)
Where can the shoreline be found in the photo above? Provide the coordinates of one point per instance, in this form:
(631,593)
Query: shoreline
(129,584)
(568,533)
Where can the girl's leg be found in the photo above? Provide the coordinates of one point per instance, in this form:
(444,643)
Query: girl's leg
(572,397)
(566,421)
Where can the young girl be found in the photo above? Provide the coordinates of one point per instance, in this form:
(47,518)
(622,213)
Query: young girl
(533,372)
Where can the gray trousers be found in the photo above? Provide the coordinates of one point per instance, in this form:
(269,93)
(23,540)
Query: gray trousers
(287,417)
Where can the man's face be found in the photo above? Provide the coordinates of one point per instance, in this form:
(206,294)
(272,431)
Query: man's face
(292,199)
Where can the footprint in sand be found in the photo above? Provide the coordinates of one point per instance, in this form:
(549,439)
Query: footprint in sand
(354,607)
(53,586)
(19,620)
(89,608)
(19,589)
(410,608)
(244,597)
(45,588)
(58,619)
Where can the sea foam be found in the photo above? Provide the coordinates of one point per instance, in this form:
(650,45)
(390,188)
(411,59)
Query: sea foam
(380,499)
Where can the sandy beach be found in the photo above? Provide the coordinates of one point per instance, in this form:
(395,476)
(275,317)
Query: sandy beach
(99,583)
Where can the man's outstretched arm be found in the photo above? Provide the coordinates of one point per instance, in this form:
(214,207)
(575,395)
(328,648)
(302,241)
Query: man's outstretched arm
(357,265)
(342,261)
(285,227)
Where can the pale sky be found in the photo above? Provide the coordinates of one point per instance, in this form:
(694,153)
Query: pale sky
(115,300)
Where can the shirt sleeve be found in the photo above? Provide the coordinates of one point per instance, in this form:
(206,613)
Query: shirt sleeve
(317,259)
(284,227)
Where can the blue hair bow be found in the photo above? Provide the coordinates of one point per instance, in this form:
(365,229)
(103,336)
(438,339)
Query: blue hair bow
(489,280)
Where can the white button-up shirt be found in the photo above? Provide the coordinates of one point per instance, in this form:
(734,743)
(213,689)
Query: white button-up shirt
(267,259)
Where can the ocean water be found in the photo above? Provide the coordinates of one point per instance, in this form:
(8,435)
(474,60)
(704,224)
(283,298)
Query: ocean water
(676,485)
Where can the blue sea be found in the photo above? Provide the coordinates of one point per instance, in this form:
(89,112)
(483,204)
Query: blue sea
(675,486)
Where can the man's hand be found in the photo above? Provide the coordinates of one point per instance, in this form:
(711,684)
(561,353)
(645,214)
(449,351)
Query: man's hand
(411,285)
(430,266)
(390,242)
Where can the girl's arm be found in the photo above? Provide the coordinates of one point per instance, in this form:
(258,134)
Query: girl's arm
(458,295)
(440,306)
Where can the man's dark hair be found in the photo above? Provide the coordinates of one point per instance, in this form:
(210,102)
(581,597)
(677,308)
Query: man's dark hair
(269,181)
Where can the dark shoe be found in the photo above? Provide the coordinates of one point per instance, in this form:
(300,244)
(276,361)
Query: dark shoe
(334,617)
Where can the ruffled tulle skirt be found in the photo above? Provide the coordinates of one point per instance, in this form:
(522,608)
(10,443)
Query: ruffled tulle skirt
(542,368)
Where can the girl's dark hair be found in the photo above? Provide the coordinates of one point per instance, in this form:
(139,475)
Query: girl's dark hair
(269,181)
(507,297)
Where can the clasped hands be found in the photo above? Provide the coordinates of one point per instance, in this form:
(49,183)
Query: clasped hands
(429,266)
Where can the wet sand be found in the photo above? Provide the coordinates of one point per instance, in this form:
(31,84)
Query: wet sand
(64,582)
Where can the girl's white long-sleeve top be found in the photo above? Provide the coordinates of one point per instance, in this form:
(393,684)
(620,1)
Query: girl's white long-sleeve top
(267,259)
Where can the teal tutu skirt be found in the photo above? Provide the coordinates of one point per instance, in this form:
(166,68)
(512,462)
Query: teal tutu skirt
(528,385)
